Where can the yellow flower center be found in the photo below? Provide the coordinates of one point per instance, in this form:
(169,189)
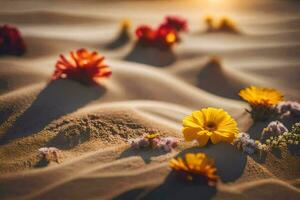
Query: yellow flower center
(152,136)
(171,38)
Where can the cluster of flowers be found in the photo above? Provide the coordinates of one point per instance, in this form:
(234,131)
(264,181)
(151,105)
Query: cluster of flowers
(11,42)
(247,145)
(275,135)
(222,24)
(288,109)
(155,141)
(51,154)
(274,129)
(165,36)
(286,139)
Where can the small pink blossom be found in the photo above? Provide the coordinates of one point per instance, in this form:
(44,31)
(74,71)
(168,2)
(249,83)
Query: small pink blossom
(51,154)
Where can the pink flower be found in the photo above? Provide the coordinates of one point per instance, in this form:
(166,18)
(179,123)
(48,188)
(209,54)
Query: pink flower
(288,108)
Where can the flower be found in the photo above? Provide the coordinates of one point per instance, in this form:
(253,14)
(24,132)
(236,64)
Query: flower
(296,128)
(125,24)
(166,37)
(224,24)
(244,143)
(262,101)
(209,123)
(258,96)
(145,34)
(152,136)
(290,139)
(227,24)
(175,22)
(11,42)
(274,128)
(163,37)
(51,154)
(83,66)
(209,21)
(288,108)
(155,141)
(196,167)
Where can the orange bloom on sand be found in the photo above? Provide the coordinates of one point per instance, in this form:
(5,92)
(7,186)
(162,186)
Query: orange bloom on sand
(258,96)
(83,66)
(196,168)
(209,123)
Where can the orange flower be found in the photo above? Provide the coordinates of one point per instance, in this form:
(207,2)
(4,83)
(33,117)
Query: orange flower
(83,66)
(259,96)
(196,168)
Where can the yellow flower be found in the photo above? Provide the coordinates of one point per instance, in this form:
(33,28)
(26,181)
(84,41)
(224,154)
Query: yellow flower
(209,123)
(152,136)
(258,96)
(195,167)
(125,24)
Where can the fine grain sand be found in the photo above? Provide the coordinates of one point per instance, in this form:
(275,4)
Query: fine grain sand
(150,91)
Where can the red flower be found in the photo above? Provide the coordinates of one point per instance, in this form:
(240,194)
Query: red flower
(166,37)
(178,23)
(145,34)
(83,66)
(11,41)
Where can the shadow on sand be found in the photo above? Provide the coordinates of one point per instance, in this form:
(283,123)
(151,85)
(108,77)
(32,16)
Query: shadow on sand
(151,56)
(230,164)
(145,154)
(172,188)
(121,40)
(58,98)
(224,84)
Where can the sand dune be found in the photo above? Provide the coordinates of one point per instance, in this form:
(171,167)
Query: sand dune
(226,82)
(150,91)
(48,17)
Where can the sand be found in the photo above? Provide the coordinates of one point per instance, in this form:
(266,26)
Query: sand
(149,91)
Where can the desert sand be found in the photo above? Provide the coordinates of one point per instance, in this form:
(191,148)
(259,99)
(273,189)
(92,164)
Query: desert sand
(150,91)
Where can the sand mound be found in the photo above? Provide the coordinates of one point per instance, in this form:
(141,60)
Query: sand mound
(48,17)
(151,56)
(8,81)
(38,49)
(103,128)
(215,78)
(122,38)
